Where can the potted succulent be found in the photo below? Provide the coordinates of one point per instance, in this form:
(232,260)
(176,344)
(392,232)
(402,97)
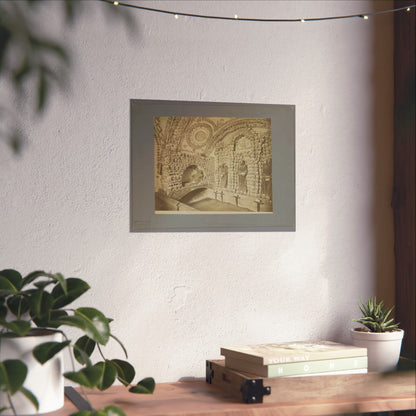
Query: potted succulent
(380,335)
(34,310)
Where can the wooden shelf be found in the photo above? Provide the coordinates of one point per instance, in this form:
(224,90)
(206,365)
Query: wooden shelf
(308,396)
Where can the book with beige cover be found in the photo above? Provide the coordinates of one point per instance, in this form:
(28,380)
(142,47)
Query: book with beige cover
(292,352)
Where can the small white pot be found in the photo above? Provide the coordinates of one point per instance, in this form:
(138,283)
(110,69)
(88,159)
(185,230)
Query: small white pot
(44,381)
(383,348)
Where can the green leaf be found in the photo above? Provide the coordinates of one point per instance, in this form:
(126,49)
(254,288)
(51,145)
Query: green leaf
(40,304)
(62,281)
(83,413)
(75,321)
(88,376)
(13,276)
(110,411)
(75,288)
(108,374)
(18,327)
(388,313)
(44,283)
(45,351)
(125,371)
(105,411)
(94,324)
(12,375)
(83,349)
(30,396)
(82,357)
(31,277)
(145,386)
(55,316)
(3,312)
(98,328)
(7,287)
(18,305)
(54,277)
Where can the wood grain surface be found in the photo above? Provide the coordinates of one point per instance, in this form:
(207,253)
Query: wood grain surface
(300,396)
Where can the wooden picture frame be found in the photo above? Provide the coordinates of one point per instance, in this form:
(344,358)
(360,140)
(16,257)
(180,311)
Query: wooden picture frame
(205,166)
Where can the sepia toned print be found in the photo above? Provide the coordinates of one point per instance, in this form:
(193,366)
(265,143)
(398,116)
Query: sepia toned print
(213,165)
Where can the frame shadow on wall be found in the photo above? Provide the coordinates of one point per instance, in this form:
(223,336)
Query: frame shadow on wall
(203,166)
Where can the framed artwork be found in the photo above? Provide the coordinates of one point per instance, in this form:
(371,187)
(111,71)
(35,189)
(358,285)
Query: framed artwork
(204,166)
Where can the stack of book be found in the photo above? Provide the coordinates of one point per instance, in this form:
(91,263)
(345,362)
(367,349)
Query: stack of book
(296,359)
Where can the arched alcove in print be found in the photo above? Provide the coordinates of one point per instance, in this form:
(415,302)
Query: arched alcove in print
(192,175)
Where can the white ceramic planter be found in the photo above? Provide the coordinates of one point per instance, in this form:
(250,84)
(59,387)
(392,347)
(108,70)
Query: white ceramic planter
(44,381)
(383,348)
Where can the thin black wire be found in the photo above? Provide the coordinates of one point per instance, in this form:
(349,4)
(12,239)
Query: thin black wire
(246,19)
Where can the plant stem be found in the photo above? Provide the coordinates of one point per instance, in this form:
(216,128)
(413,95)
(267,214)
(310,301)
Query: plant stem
(101,353)
(11,404)
(19,310)
(73,369)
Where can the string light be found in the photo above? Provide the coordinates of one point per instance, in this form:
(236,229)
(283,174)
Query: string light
(248,19)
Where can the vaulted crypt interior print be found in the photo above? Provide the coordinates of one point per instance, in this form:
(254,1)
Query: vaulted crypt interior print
(213,165)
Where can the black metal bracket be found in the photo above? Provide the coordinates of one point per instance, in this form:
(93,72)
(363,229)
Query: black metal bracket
(209,372)
(253,391)
(77,399)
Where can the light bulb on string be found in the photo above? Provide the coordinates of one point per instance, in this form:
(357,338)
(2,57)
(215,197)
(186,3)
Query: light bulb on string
(248,19)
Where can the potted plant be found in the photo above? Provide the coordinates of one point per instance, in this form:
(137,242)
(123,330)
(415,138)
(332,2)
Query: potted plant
(34,310)
(380,335)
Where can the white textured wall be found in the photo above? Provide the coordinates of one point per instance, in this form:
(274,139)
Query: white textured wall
(177,298)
